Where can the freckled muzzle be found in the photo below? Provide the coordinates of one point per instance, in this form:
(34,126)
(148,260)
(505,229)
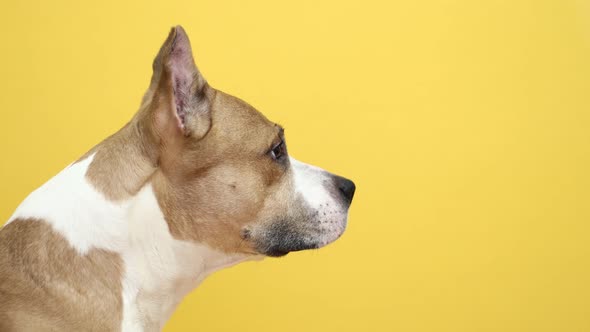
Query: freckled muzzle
(309,224)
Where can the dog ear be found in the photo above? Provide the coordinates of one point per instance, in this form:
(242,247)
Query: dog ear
(180,99)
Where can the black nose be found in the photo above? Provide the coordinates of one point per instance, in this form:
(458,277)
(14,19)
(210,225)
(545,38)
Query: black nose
(346,188)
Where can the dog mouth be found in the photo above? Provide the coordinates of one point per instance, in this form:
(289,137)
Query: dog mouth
(286,235)
(308,229)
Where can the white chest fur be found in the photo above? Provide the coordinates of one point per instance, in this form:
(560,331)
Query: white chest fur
(158,269)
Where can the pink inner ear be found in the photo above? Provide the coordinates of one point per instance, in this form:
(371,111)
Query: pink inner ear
(182,69)
(180,97)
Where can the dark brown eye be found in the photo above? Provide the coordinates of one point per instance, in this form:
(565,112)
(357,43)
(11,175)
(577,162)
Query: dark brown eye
(279,151)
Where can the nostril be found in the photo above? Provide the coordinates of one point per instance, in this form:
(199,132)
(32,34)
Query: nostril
(346,188)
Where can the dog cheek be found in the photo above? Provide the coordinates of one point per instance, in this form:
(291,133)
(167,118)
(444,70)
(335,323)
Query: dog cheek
(230,195)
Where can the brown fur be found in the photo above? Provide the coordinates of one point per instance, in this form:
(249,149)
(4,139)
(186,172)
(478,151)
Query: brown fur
(122,163)
(222,184)
(211,180)
(212,177)
(46,286)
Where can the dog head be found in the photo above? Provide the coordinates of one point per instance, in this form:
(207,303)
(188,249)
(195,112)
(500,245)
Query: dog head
(225,177)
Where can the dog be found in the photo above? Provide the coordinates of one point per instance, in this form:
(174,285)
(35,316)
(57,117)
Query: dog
(196,181)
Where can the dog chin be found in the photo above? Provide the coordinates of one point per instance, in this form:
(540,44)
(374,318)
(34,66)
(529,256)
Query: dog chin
(281,250)
(276,253)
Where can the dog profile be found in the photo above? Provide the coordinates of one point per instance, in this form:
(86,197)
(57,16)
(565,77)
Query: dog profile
(196,181)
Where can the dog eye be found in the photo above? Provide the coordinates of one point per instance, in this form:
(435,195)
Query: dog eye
(279,151)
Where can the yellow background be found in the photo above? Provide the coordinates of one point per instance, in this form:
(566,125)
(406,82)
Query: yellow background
(465,124)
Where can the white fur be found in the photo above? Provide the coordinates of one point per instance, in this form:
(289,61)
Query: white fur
(73,207)
(309,182)
(159,270)
(313,184)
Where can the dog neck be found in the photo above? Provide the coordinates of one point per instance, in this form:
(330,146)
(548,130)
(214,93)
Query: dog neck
(106,201)
(160,269)
(124,162)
